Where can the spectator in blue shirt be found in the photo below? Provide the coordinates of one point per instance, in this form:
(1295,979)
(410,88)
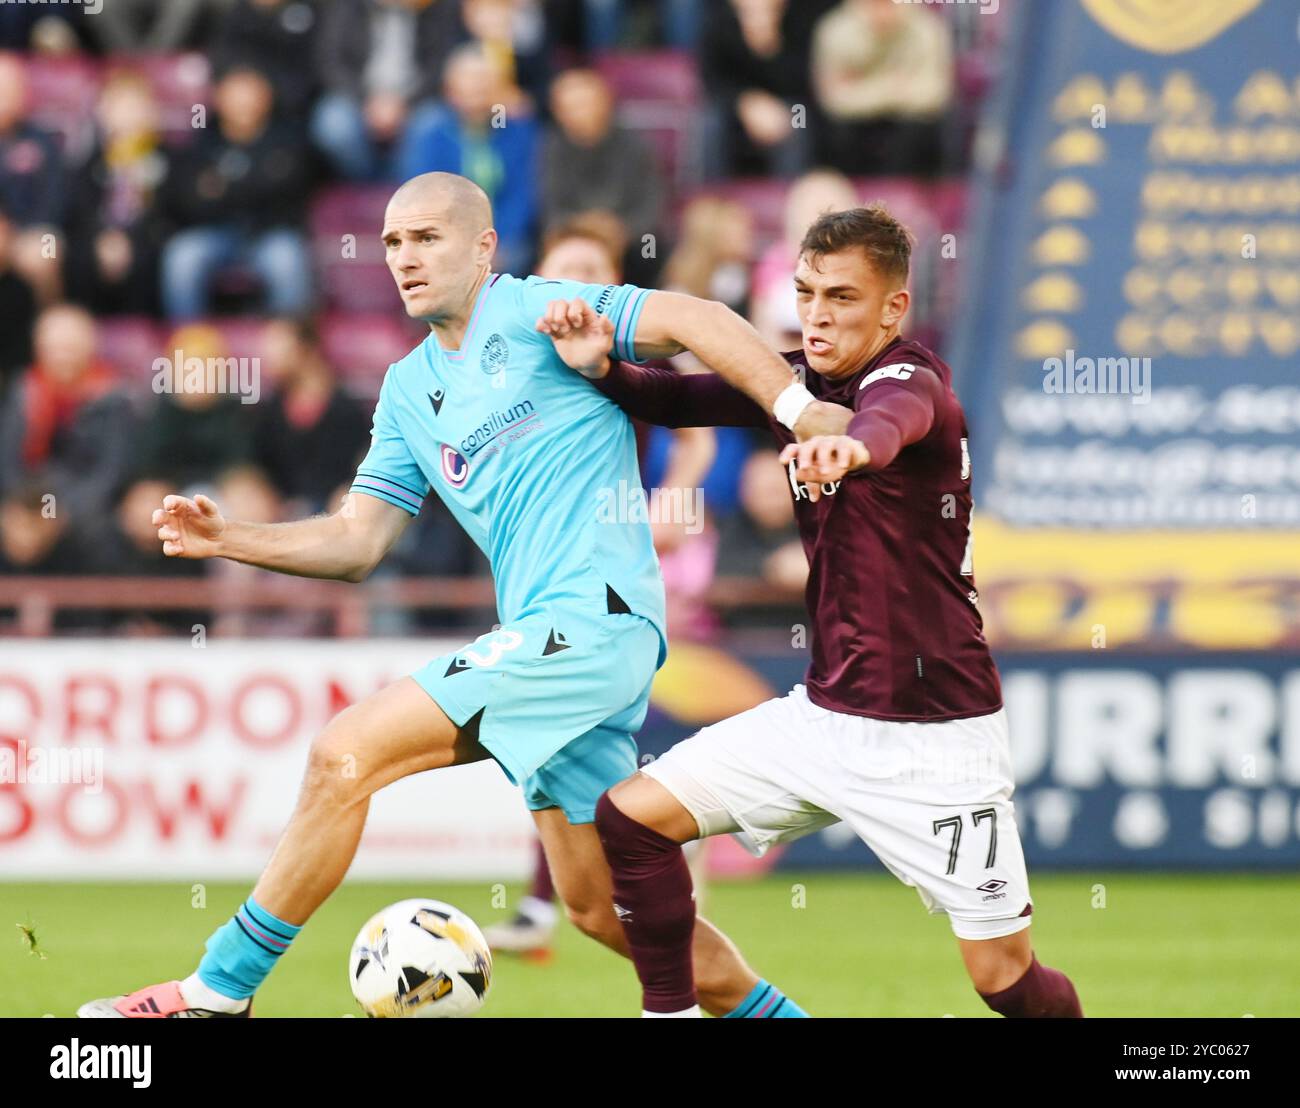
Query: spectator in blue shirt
(484,135)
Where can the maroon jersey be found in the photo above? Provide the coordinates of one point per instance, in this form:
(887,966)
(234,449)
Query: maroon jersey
(891,588)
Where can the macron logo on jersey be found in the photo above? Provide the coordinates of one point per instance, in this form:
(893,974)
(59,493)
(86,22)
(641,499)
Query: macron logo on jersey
(900,371)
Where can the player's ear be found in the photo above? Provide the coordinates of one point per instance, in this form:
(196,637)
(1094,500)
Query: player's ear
(895,307)
(486,246)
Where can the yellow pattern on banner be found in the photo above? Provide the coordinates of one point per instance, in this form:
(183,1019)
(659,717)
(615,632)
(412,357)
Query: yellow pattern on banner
(1168,26)
(1079,590)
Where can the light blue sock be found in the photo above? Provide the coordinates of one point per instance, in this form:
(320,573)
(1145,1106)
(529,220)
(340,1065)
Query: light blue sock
(242,951)
(766,1002)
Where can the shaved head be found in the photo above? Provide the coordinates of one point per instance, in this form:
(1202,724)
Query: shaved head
(438,244)
(455,198)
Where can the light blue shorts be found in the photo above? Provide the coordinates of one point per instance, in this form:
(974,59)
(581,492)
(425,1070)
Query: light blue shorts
(558,696)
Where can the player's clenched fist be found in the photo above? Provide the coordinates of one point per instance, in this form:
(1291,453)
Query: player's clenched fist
(824,459)
(189,528)
(582,336)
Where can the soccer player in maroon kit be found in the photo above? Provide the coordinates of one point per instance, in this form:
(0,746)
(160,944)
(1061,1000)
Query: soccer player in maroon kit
(899,730)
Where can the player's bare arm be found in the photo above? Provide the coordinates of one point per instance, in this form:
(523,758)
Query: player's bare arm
(345,546)
(672,322)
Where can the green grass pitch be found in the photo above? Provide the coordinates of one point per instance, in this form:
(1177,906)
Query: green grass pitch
(842,945)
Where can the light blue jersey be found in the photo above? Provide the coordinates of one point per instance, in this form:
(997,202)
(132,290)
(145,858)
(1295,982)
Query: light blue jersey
(534,462)
(523,450)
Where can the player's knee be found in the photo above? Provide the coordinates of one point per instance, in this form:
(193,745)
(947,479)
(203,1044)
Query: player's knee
(608,825)
(1039,992)
(988,981)
(333,773)
(624,839)
(998,969)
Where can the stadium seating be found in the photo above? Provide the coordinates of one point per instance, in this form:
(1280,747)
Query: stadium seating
(362,347)
(130,344)
(657,76)
(361,282)
(179,81)
(658,93)
(62,93)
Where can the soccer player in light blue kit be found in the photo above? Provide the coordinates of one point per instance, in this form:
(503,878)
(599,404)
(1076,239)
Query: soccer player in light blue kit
(488,412)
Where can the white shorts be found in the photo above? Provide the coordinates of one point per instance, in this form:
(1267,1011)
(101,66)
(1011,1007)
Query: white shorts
(931,800)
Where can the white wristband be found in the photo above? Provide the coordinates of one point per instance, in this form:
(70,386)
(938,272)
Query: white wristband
(790,404)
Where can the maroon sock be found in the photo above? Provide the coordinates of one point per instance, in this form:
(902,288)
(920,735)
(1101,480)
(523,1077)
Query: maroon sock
(1041,993)
(654,901)
(542,888)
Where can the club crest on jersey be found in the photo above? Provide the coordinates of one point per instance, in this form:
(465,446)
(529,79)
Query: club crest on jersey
(495,353)
(454,467)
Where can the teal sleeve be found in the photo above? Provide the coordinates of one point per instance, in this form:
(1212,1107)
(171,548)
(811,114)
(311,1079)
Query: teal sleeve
(388,470)
(621,304)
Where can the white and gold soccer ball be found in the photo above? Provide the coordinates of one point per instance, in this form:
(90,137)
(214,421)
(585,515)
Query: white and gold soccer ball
(421,959)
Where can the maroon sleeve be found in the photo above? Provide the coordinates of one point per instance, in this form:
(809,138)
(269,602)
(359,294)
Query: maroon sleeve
(895,413)
(670,399)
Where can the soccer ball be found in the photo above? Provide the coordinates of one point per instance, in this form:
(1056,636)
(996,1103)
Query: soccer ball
(422,959)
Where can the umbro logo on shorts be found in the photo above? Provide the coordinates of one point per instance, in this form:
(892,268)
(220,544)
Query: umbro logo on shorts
(990,886)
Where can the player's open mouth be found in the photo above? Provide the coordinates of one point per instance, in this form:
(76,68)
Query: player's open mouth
(414,286)
(817,345)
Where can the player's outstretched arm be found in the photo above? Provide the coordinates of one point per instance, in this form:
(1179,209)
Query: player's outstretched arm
(889,417)
(671,322)
(584,340)
(345,546)
(825,459)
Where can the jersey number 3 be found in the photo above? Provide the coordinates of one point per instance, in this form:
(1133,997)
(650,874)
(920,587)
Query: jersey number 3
(498,644)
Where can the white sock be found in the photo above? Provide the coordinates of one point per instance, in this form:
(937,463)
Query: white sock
(198,995)
(691,1013)
(540,912)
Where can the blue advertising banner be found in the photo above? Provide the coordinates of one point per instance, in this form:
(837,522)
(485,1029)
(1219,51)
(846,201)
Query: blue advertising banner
(1170,762)
(1129,348)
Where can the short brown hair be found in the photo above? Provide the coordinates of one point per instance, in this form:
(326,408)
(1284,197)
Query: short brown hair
(886,242)
(591,227)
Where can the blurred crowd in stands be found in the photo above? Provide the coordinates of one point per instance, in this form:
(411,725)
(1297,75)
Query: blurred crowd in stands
(206,178)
